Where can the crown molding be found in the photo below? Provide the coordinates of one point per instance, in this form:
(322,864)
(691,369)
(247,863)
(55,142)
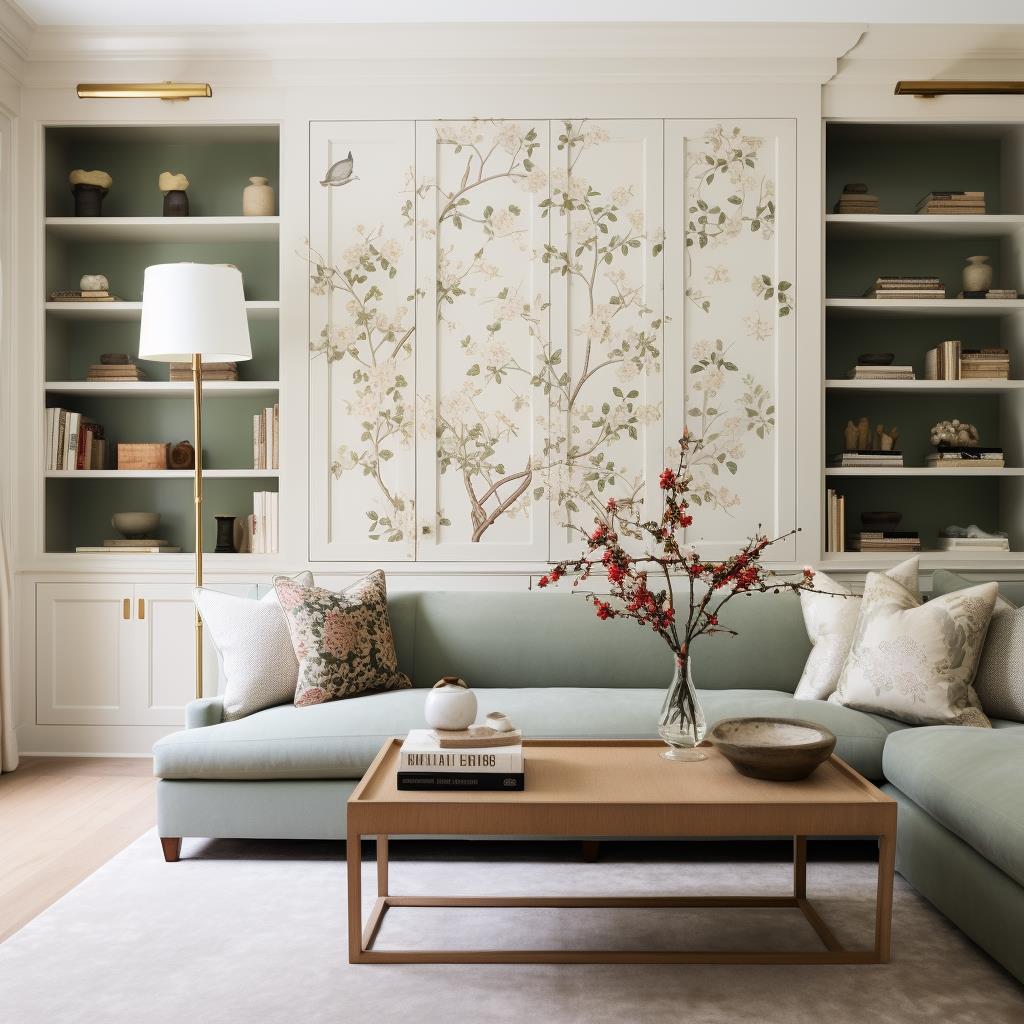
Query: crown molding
(16,31)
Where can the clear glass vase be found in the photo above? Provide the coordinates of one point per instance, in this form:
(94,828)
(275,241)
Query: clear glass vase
(682,725)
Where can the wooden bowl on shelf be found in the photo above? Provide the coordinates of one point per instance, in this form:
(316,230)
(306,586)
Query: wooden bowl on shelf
(777,749)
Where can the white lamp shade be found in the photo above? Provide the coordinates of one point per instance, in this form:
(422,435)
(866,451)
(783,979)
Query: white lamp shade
(194,308)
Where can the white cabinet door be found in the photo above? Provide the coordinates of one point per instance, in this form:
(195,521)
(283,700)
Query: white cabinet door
(362,307)
(485,345)
(85,649)
(730,362)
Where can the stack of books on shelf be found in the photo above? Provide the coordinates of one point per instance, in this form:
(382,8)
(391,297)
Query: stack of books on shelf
(114,367)
(992,293)
(943,361)
(885,540)
(857,199)
(74,441)
(835,521)
(952,202)
(903,288)
(424,764)
(261,526)
(972,544)
(145,546)
(985,364)
(79,296)
(265,432)
(181,372)
(860,372)
(966,459)
(864,457)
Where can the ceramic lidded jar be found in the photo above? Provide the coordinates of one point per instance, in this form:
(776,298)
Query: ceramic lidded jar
(450,705)
(977,274)
(258,198)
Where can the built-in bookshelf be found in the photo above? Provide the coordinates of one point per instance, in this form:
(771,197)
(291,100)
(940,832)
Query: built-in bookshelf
(130,235)
(900,164)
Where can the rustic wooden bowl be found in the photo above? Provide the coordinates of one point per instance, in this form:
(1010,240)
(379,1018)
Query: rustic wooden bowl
(779,749)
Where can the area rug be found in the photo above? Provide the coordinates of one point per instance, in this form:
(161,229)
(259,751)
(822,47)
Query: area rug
(254,933)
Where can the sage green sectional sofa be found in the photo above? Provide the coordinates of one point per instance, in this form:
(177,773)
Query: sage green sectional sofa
(545,659)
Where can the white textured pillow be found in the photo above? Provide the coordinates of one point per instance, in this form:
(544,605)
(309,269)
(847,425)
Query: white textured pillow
(915,662)
(255,648)
(1000,679)
(830,623)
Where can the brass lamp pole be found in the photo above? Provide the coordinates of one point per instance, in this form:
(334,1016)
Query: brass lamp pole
(197,494)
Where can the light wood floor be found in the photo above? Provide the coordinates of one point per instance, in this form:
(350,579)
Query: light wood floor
(60,819)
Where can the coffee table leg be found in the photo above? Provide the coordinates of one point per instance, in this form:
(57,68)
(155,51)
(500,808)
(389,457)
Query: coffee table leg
(355,897)
(382,866)
(800,867)
(883,905)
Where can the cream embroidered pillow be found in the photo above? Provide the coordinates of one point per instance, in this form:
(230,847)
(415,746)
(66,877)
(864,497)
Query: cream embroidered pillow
(343,640)
(916,662)
(830,622)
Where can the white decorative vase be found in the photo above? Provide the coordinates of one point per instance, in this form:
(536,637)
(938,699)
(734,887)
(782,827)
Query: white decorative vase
(977,274)
(258,198)
(451,705)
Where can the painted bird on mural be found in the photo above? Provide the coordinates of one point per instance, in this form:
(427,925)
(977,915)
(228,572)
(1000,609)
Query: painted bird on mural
(340,173)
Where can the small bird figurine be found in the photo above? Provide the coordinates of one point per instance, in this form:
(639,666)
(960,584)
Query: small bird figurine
(340,173)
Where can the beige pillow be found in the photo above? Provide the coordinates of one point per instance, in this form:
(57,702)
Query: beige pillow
(830,622)
(916,662)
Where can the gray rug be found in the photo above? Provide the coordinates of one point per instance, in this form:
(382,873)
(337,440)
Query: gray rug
(254,932)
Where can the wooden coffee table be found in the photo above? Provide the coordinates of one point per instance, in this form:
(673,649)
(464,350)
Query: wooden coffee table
(617,788)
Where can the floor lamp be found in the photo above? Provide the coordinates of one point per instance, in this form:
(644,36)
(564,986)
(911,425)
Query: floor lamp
(194,313)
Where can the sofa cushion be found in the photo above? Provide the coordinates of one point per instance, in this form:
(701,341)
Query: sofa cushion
(339,739)
(969,780)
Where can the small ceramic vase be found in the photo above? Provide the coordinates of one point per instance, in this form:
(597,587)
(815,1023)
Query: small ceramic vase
(88,199)
(450,705)
(225,535)
(93,283)
(258,198)
(176,204)
(977,274)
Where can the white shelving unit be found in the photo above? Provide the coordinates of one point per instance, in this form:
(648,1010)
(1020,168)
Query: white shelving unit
(910,387)
(163,389)
(161,474)
(847,309)
(918,471)
(912,225)
(163,229)
(117,311)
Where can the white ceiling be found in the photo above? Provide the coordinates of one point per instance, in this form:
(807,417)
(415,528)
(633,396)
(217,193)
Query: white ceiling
(195,13)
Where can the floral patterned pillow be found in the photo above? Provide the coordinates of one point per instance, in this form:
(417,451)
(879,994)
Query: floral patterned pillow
(342,640)
(916,662)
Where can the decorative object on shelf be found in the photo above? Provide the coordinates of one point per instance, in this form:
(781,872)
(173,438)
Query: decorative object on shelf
(682,725)
(204,304)
(114,358)
(954,434)
(340,173)
(183,456)
(135,525)
(972,538)
(857,199)
(875,359)
(451,705)
(89,188)
(114,366)
(900,289)
(861,446)
(175,197)
(147,455)
(258,198)
(240,535)
(225,535)
(94,283)
(886,439)
(881,519)
(977,276)
(777,749)
(946,203)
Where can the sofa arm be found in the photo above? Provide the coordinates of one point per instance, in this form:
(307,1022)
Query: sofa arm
(204,711)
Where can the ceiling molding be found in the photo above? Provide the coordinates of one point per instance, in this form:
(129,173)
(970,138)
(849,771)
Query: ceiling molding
(16,32)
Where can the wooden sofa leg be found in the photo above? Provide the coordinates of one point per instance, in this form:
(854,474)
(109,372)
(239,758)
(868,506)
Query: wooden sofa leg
(172,848)
(591,849)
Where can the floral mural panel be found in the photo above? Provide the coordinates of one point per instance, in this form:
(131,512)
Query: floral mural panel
(730,296)
(604,365)
(361,269)
(483,319)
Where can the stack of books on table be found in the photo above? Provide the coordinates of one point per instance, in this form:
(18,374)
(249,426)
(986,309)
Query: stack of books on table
(943,361)
(972,544)
(74,441)
(265,432)
(966,459)
(181,372)
(835,521)
(424,764)
(145,546)
(261,527)
(985,364)
(115,371)
(864,457)
(857,199)
(860,372)
(903,288)
(952,202)
(885,540)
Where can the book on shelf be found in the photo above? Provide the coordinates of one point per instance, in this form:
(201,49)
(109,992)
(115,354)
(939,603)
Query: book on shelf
(74,442)
(985,364)
(944,543)
(114,371)
(881,373)
(952,203)
(421,752)
(491,782)
(153,549)
(835,526)
(943,361)
(135,542)
(858,542)
(262,526)
(900,294)
(866,458)
(80,296)
(265,436)
(969,458)
(182,372)
(855,198)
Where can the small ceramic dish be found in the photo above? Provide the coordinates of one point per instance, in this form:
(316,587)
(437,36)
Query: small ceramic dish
(875,359)
(779,749)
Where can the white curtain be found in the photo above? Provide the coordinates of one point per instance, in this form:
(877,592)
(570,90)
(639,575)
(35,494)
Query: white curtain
(8,744)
